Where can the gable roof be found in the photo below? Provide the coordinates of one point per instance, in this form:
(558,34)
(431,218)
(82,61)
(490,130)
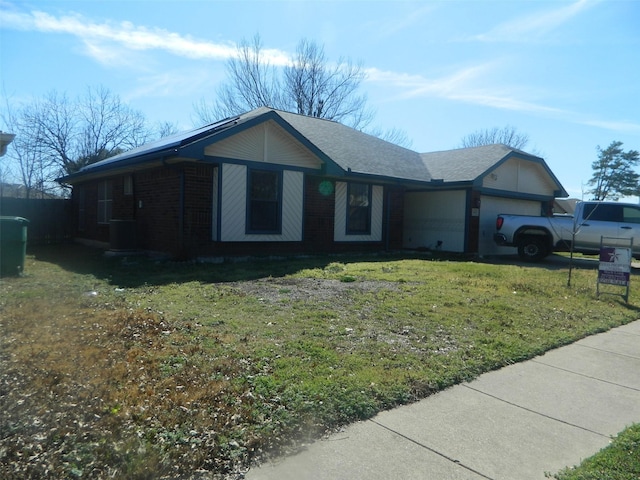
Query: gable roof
(358,152)
(344,150)
(350,150)
(468,164)
(145,154)
(471,164)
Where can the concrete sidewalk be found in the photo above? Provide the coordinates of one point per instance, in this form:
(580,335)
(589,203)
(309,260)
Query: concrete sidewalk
(515,423)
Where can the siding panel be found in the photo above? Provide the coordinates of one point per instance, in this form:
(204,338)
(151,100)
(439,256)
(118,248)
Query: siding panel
(340,223)
(522,176)
(268,143)
(234,200)
(214,206)
(234,207)
(431,217)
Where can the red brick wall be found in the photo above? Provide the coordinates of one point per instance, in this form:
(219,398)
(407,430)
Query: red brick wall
(394,208)
(124,207)
(157,194)
(319,211)
(155,206)
(198,208)
(92,230)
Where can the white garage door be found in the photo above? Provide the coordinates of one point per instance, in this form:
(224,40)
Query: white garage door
(490,208)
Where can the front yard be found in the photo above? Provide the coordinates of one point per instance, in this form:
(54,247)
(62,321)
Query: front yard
(130,368)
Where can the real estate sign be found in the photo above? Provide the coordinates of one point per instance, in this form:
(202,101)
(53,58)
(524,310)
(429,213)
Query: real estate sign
(615,266)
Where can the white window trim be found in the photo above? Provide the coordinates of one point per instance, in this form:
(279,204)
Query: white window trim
(340,216)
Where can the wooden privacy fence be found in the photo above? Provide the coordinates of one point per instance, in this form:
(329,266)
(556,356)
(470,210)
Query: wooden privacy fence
(50,220)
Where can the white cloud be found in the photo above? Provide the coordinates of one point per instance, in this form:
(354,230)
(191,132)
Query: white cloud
(100,37)
(463,85)
(620,127)
(536,25)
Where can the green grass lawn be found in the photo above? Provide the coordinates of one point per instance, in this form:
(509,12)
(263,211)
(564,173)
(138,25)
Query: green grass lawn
(136,368)
(619,461)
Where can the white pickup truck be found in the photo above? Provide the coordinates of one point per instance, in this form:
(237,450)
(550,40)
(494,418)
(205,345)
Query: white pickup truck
(536,237)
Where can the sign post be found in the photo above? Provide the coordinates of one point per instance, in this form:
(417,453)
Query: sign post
(615,266)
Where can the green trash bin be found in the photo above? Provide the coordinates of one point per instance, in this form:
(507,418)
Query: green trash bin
(13,245)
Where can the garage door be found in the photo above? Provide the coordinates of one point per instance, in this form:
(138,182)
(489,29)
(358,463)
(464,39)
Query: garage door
(490,208)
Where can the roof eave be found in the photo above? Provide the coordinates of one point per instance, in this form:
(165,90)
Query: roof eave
(127,165)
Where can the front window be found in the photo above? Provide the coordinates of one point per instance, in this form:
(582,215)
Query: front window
(105,201)
(359,209)
(264,201)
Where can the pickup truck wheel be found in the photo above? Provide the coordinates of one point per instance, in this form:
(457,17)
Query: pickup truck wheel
(532,249)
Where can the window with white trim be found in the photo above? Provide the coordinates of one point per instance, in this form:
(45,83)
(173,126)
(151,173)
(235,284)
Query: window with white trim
(358,209)
(264,202)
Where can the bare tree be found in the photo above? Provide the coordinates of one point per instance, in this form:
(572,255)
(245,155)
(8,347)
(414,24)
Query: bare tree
(164,129)
(252,82)
(323,90)
(507,135)
(308,84)
(107,127)
(393,135)
(56,135)
(31,162)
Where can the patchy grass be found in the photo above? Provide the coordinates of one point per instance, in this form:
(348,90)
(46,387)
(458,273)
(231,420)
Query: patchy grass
(136,369)
(619,461)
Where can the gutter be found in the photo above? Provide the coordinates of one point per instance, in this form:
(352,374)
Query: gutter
(117,166)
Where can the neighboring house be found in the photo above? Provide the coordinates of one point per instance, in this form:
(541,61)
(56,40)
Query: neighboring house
(565,206)
(272,182)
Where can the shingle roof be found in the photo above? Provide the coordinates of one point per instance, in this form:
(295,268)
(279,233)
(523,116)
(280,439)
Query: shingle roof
(357,151)
(352,151)
(466,164)
(166,145)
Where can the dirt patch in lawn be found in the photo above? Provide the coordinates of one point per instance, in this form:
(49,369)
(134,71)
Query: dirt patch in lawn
(276,290)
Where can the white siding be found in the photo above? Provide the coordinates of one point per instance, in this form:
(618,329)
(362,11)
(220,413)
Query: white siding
(292,206)
(233,201)
(268,143)
(490,208)
(430,217)
(522,176)
(214,217)
(340,219)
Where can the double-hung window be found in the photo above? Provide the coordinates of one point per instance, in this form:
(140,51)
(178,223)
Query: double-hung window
(264,202)
(358,209)
(105,201)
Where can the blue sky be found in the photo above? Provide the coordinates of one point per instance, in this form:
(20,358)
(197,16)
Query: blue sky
(566,73)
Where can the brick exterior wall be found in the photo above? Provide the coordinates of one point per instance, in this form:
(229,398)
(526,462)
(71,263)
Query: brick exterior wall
(155,205)
(319,211)
(395,210)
